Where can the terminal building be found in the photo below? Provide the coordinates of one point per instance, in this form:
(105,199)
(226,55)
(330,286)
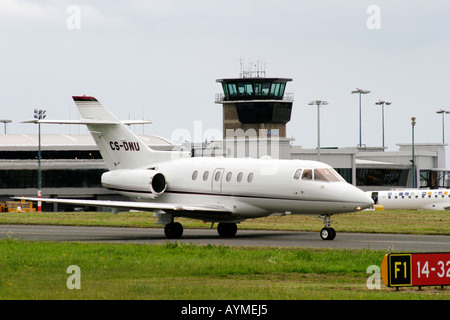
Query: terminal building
(256,111)
(71,167)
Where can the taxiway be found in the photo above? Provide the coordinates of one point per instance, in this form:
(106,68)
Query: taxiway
(259,238)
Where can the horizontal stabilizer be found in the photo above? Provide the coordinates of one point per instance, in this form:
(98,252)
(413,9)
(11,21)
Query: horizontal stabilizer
(89,121)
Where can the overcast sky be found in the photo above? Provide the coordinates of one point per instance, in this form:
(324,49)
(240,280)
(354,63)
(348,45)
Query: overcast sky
(160,60)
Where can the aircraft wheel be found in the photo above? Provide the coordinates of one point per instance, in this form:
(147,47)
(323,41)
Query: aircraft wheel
(173,230)
(227,230)
(327,233)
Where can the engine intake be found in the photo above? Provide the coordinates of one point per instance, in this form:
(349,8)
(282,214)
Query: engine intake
(126,180)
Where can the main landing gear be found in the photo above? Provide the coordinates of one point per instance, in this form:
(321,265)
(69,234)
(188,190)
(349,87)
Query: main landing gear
(327,233)
(227,230)
(174,230)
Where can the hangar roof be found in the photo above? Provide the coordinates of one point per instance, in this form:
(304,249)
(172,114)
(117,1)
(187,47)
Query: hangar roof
(65,142)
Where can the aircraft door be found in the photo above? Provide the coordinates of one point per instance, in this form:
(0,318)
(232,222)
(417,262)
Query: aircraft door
(375,197)
(216,184)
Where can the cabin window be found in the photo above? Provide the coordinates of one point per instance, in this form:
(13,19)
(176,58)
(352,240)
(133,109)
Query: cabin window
(194,175)
(205,175)
(239,177)
(297,174)
(217,176)
(307,174)
(229,174)
(250,177)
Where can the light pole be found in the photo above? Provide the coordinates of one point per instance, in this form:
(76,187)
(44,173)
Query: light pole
(413,123)
(382,103)
(39,115)
(360,92)
(5,122)
(443,112)
(318,103)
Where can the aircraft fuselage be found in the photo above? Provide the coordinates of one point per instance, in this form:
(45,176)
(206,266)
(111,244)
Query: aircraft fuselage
(252,188)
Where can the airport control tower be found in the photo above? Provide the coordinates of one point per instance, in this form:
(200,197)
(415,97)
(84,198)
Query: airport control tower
(253,101)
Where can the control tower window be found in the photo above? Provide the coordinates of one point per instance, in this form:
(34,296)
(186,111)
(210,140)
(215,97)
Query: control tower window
(241,89)
(253,89)
(248,89)
(232,89)
(225,90)
(258,87)
(274,89)
(281,92)
(277,89)
(244,89)
(265,88)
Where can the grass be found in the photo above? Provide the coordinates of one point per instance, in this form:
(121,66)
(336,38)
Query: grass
(173,271)
(395,221)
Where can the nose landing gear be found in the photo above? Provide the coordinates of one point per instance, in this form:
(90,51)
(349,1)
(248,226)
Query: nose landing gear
(327,233)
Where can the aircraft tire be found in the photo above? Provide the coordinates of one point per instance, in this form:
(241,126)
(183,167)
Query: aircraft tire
(227,230)
(173,230)
(327,234)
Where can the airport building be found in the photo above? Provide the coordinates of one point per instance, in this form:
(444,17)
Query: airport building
(256,111)
(71,167)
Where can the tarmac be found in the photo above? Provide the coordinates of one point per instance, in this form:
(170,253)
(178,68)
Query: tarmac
(254,238)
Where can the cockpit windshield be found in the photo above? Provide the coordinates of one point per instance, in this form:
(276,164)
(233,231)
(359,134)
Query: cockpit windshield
(324,174)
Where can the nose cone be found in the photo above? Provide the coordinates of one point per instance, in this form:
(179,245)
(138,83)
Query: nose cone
(365,199)
(354,198)
(361,199)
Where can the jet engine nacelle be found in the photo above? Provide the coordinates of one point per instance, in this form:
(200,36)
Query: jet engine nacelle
(147,181)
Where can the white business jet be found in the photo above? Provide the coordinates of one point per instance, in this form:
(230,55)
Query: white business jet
(412,199)
(223,190)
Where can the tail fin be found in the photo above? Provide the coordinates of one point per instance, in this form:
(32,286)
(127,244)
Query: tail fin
(119,147)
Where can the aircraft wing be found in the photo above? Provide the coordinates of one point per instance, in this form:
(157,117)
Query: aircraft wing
(144,206)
